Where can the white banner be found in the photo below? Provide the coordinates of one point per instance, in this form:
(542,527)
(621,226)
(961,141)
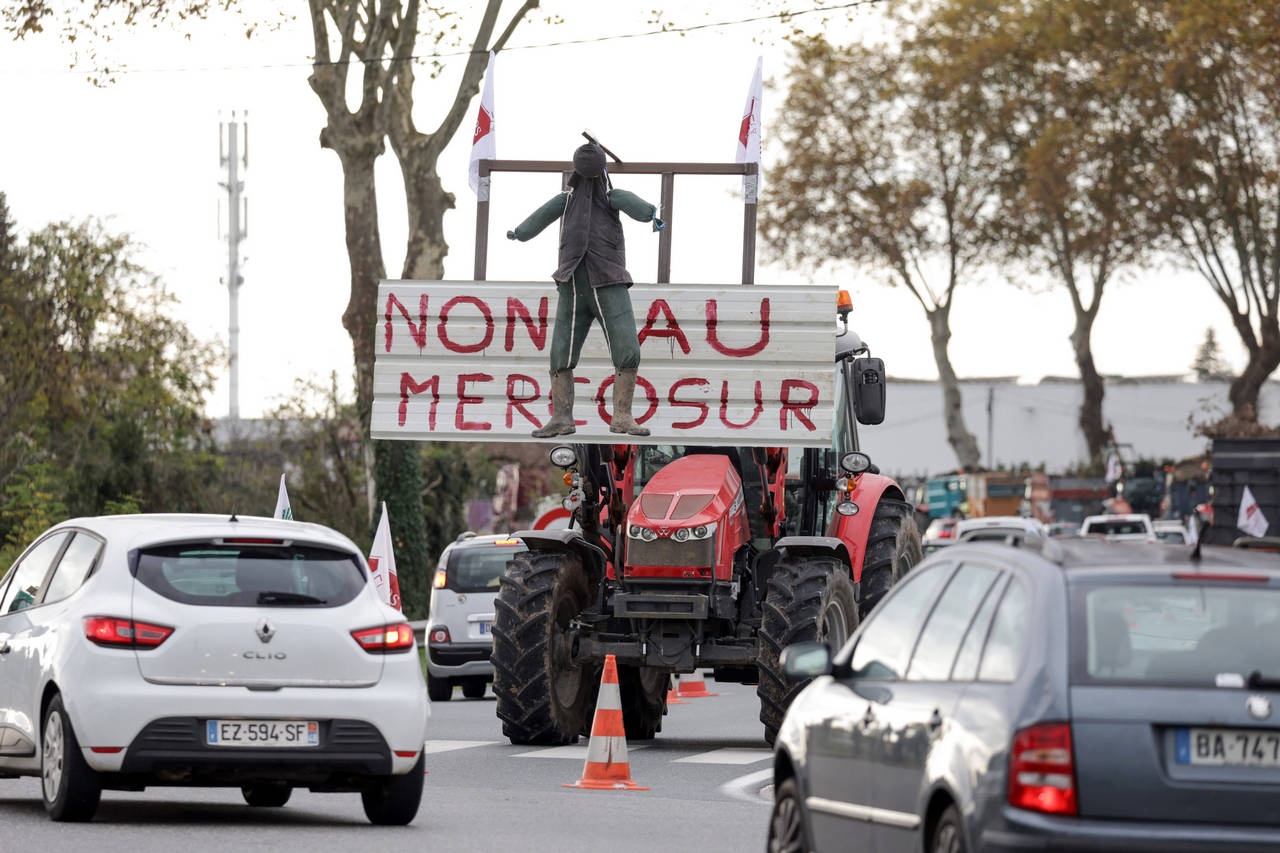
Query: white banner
(720,365)
(283,508)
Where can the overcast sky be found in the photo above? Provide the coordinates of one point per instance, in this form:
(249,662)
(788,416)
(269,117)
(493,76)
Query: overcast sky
(143,155)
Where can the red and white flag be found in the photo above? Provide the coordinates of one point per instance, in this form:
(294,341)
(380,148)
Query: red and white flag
(382,562)
(749,135)
(483,145)
(1250,519)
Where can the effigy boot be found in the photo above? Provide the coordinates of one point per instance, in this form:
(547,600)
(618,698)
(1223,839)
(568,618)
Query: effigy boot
(624,389)
(561,422)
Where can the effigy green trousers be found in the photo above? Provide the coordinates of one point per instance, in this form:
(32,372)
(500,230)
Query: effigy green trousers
(578,304)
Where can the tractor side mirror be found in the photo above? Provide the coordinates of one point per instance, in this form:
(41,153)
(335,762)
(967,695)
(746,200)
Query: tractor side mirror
(868,390)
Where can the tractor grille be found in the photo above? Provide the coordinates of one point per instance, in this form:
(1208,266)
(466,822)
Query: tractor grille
(693,553)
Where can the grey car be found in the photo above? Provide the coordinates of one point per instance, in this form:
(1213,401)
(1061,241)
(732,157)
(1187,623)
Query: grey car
(1054,695)
(463,592)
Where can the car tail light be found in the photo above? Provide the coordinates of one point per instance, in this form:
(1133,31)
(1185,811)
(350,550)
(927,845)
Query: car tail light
(439,634)
(115,631)
(1042,775)
(385,638)
(441,578)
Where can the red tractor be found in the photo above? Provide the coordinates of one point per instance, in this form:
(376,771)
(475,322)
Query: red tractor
(682,558)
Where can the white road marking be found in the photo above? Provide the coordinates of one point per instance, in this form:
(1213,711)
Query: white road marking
(434,746)
(729,756)
(752,788)
(578,752)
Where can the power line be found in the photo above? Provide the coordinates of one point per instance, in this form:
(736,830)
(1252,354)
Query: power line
(438,55)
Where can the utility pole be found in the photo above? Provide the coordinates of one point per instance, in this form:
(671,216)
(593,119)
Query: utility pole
(234,156)
(991,408)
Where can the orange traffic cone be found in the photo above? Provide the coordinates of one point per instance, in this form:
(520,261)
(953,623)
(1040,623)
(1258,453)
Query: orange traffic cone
(606,768)
(693,687)
(673,695)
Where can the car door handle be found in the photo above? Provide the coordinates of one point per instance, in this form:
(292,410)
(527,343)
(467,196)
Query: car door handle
(5,648)
(935,720)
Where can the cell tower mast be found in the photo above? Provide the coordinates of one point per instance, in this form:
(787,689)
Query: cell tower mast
(233,150)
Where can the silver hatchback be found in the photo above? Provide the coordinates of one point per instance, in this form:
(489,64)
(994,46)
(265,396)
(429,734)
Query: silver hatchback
(459,624)
(1060,695)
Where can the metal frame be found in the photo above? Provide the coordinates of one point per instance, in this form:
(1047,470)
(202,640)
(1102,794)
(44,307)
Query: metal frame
(668,171)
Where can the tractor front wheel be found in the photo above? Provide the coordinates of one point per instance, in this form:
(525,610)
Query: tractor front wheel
(810,598)
(893,547)
(543,695)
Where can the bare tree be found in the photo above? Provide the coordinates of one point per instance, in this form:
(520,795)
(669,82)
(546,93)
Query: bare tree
(1218,128)
(1069,94)
(883,163)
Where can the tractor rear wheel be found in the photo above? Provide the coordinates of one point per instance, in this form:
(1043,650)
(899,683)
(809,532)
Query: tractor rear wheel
(543,695)
(810,598)
(893,547)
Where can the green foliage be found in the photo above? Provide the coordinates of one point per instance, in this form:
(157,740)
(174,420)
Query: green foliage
(101,390)
(314,439)
(29,504)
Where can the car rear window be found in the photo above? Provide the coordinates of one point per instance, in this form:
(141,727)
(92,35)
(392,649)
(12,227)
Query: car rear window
(1181,632)
(1117,528)
(478,567)
(232,575)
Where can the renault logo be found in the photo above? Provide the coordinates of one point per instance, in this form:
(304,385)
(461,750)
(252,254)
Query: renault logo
(1259,707)
(266,631)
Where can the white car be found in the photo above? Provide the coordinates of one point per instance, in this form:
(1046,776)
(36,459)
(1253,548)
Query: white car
(1171,531)
(459,624)
(207,650)
(1122,527)
(998,527)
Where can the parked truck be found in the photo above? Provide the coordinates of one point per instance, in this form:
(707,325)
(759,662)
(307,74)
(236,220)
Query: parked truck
(975,494)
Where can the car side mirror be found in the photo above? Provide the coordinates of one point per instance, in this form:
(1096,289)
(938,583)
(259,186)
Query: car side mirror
(801,661)
(868,390)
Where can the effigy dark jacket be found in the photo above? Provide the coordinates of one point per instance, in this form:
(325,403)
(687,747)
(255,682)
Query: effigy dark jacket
(590,229)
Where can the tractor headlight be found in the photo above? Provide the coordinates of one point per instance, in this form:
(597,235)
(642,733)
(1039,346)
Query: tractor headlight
(702,531)
(635,531)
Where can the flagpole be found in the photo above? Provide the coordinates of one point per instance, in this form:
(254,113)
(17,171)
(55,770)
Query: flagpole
(667,203)
(749,230)
(482,222)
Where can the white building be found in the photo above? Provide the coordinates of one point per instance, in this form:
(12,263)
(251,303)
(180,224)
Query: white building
(1152,416)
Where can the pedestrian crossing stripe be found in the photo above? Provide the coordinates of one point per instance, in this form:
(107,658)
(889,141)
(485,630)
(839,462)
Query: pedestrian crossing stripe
(578,752)
(432,747)
(728,756)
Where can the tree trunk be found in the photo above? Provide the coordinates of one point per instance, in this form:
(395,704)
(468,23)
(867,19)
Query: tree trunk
(428,201)
(364,251)
(1263,361)
(1096,434)
(958,436)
